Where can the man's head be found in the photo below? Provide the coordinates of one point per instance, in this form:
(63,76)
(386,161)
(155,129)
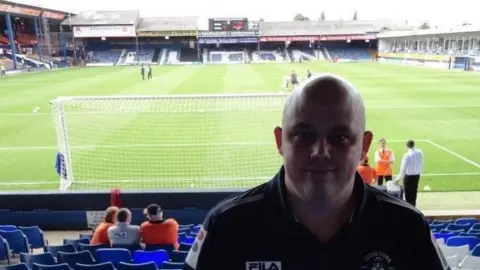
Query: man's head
(111,214)
(322,138)
(124,215)
(383,143)
(154,212)
(410,144)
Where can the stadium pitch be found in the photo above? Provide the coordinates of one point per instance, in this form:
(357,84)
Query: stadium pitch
(439,109)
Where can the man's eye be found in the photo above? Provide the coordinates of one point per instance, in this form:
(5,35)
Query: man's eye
(340,139)
(301,135)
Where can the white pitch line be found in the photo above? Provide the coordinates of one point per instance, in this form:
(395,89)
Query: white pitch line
(260,143)
(138,112)
(193,179)
(453,153)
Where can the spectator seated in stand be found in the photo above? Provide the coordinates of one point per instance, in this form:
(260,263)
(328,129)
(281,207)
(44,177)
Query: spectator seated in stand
(159,231)
(100,236)
(122,233)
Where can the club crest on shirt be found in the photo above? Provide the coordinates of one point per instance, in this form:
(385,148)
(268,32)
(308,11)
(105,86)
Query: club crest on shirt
(376,260)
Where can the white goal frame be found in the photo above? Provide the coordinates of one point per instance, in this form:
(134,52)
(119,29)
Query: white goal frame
(61,118)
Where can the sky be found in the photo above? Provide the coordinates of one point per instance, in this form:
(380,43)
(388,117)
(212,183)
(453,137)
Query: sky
(413,11)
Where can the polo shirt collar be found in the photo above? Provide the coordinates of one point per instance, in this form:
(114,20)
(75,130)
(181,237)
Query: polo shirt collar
(276,192)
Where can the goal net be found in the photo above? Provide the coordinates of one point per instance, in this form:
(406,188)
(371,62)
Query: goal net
(167,142)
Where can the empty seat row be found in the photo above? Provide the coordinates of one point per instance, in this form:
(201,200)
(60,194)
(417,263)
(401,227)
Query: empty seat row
(101,266)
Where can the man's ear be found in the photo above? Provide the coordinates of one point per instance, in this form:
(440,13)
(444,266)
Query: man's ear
(367,141)
(278,139)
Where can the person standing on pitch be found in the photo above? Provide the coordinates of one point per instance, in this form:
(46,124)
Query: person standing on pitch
(384,159)
(410,170)
(142,71)
(317,212)
(149,76)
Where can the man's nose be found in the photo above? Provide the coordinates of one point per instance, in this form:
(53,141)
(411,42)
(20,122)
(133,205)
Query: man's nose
(321,149)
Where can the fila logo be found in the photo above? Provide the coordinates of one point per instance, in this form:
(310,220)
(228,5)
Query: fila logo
(264,266)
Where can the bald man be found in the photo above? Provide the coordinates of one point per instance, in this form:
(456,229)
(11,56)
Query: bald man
(316,213)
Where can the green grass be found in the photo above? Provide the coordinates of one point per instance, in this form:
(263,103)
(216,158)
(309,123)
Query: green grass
(440,109)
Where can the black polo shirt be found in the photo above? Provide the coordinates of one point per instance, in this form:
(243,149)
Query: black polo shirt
(255,230)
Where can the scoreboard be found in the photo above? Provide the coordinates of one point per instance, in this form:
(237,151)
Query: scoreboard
(230,25)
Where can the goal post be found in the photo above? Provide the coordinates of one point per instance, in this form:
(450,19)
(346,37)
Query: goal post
(167,141)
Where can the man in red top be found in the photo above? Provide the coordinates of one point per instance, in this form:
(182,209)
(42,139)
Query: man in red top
(159,231)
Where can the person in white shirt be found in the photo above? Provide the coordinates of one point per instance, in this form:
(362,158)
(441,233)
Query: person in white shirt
(410,170)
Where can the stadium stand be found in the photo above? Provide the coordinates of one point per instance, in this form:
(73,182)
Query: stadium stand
(348,51)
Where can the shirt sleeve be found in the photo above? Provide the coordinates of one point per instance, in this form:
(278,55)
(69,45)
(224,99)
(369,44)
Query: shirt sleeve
(427,253)
(208,250)
(392,157)
(403,167)
(377,157)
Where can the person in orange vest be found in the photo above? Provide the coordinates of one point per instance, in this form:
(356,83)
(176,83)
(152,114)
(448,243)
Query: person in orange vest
(368,173)
(384,159)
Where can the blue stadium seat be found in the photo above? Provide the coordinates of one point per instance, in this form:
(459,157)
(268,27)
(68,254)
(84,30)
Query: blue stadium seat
(113,255)
(34,236)
(464,221)
(457,241)
(470,234)
(447,222)
(179,256)
(20,266)
(181,236)
(185,246)
(196,229)
(8,228)
(458,227)
(131,248)
(86,236)
(4,250)
(99,266)
(185,230)
(445,236)
(476,226)
(189,240)
(63,248)
(41,258)
(172,265)
(75,242)
(438,227)
(17,241)
(142,266)
(62,266)
(92,248)
(82,257)
(167,247)
(156,256)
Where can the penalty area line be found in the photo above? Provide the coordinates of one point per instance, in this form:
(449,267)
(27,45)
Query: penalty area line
(469,161)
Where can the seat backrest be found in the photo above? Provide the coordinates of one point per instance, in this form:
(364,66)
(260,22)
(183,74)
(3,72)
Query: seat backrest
(141,266)
(113,255)
(156,256)
(20,266)
(4,249)
(458,227)
(456,241)
(34,236)
(91,248)
(40,258)
(8,228)
(131,248)
(470,221)
(16,240)
(167,247)
(470,262)
(99,266)
(63,248)
(75,242)
(172,265)
(62,266)
(83,257)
